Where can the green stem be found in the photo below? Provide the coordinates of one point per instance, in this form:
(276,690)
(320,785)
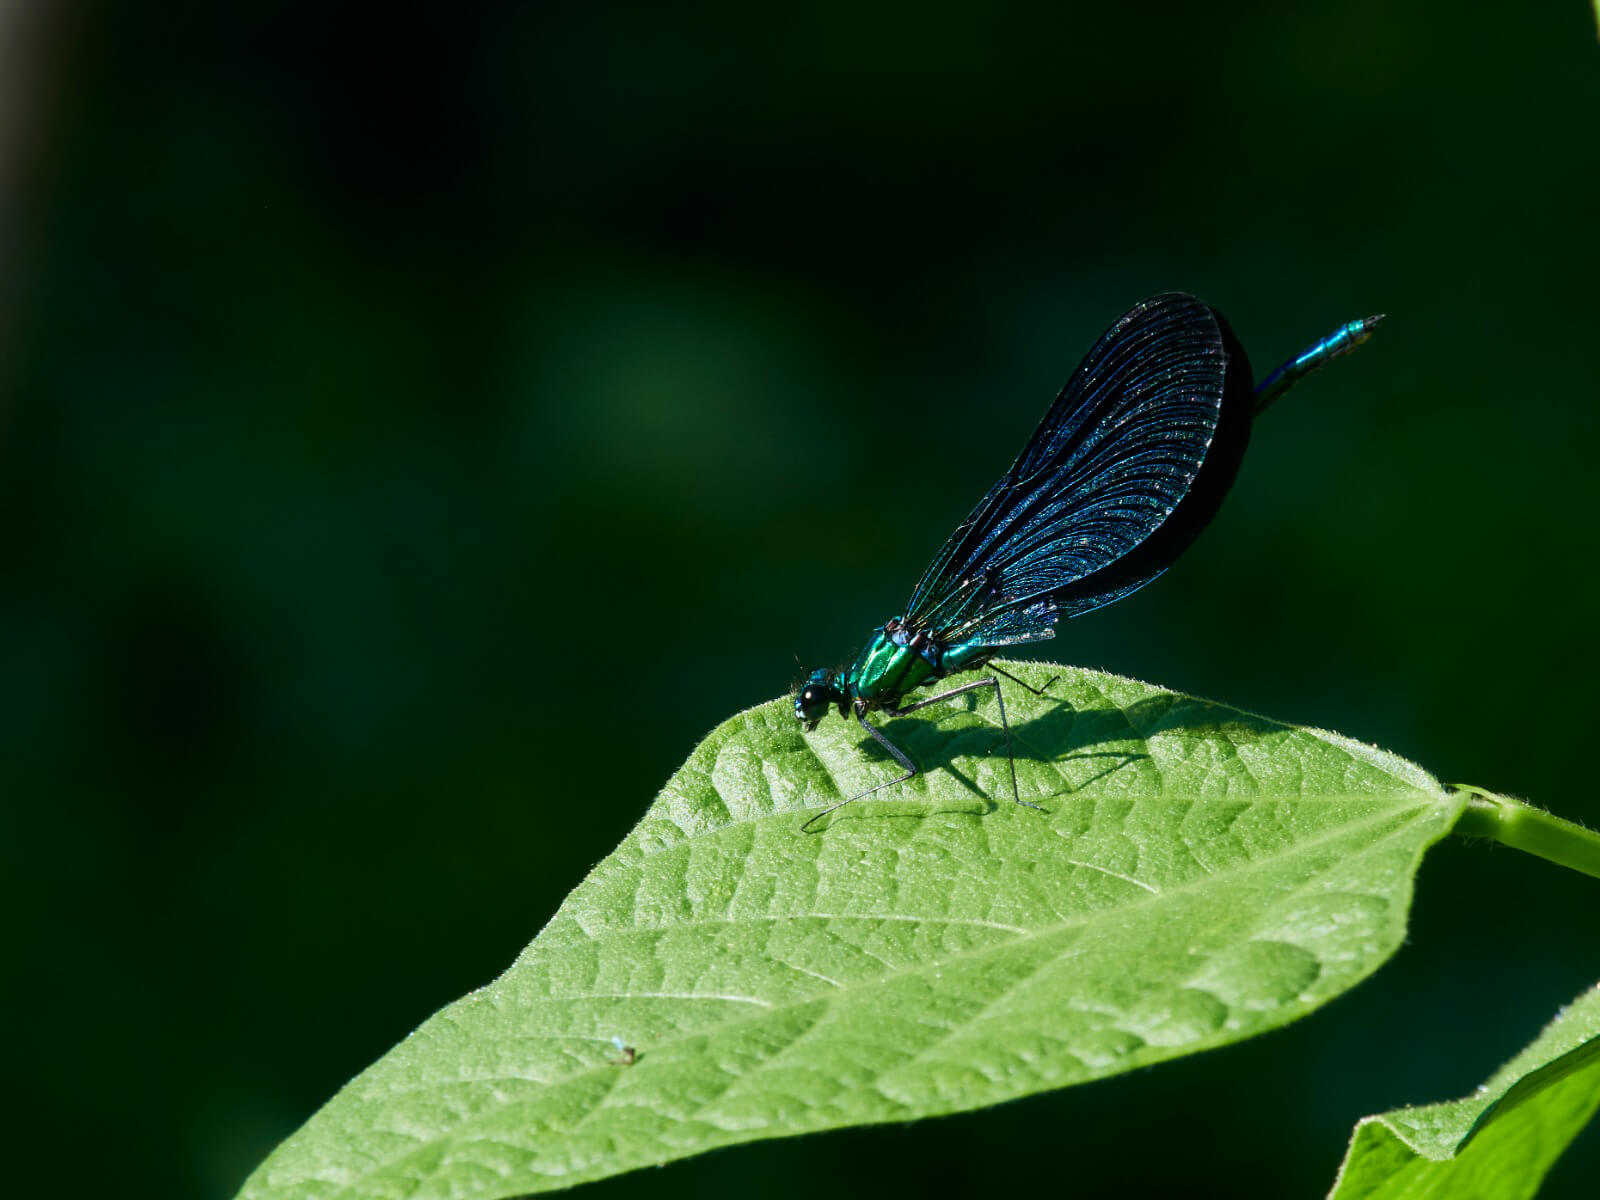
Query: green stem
(1530,829)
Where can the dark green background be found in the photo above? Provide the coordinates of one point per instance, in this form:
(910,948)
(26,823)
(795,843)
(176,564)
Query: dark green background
(421,429)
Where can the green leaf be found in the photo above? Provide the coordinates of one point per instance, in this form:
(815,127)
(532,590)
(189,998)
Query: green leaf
(1200,876)
(1498,1143)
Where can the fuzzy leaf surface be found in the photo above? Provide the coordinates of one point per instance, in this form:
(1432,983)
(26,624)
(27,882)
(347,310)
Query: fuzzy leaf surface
(1496,1144)
(1199,876)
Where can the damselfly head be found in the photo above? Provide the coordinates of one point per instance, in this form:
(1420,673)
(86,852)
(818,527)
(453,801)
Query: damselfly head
(816,696)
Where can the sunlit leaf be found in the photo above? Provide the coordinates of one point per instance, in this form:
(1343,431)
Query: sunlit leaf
(1199,876)
(1496,1144)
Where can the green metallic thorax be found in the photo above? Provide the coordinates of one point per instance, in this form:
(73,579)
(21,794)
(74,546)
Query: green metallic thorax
(896,661)
(883,672)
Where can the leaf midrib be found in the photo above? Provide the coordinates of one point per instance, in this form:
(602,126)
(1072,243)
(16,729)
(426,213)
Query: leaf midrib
(776,1007)
(1206,877)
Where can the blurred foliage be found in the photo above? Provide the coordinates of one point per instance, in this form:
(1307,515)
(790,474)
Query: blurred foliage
(367,363)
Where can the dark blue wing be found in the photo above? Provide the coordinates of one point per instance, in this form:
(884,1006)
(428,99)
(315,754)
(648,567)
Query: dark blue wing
(1127,467)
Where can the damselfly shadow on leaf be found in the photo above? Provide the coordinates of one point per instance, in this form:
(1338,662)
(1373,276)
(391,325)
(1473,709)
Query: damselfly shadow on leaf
(1127,468)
